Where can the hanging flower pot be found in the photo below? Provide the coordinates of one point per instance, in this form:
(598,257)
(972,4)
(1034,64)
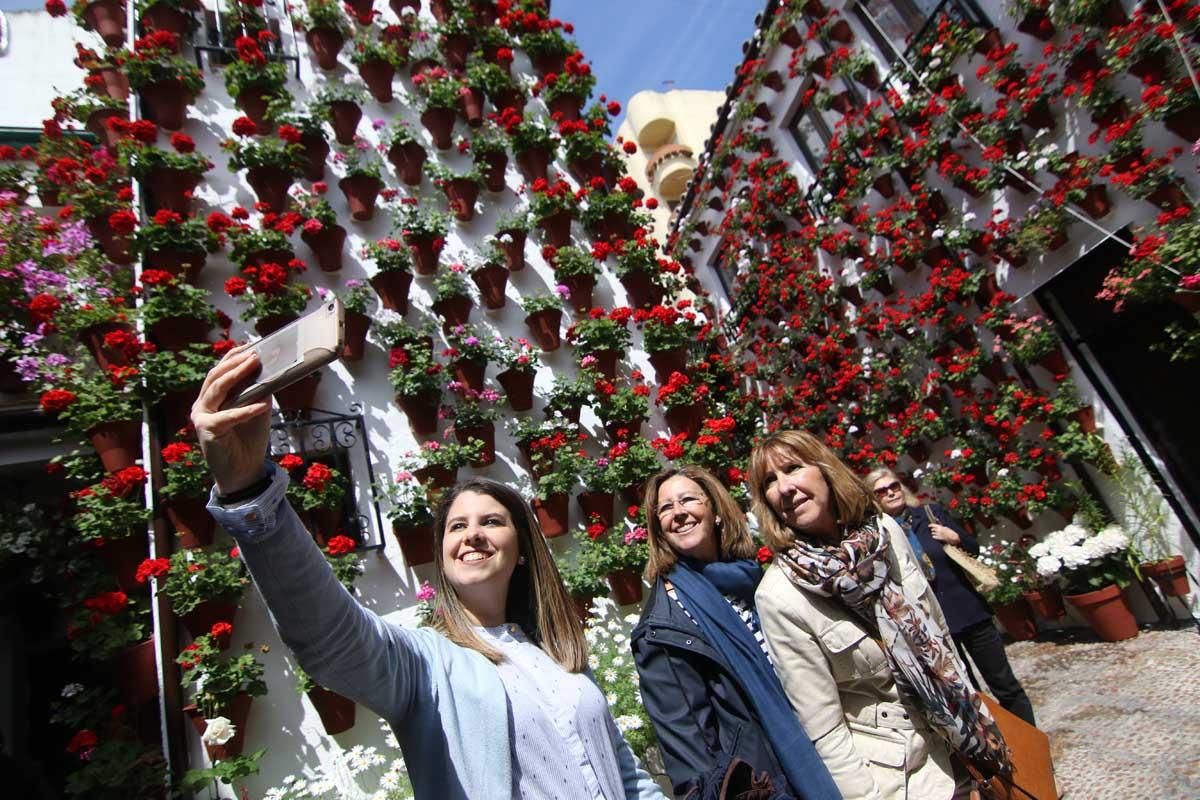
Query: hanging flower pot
(121,557)
(579,291)
(556,229)
(626,586)
(325,44)
(453,311)
(462,194)
(254,102)
(642,289)
(300,395)
(171,189)
(606,362)
(316,150)
(176,409)
(272,185)
(164,17)
(1184,123)
(491,280)
(1095,201)
(512,242)
(1054,361)
(552,514)
(1169,197)
(344,117)
(685,419)
(1017,619)
(416,543)
(336,712)
(518,387)
(425,251)
(117,443)
(327,245)
(533,163)
(1107,611)
(378,75)
(1170,574)
(116,246)
(176,333)
(1047,602)
(237,712)
(265,326)
(485,433)
(470,371)
(1150,69)
(166,103)
(420,66)
(135,670)
(568,105)
(107,18)
(357,325)
(1035,23)
(440,124)
(437,477)
(492,167)
(409,161)
(323,523)
(115,82)
(392,288)
(508,98)
(193,524)
(421,410)
(792,37)
(667,361)
(470,105)
(544,327)
(200,619)
(596,504)
(361,191)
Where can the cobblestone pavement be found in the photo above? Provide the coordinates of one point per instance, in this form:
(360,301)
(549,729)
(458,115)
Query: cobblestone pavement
(1123,717)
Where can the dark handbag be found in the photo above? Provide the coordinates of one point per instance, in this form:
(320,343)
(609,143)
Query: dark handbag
(734,780)
(1032,775)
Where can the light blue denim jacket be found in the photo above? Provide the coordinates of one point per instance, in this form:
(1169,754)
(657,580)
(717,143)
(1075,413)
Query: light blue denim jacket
(446,703)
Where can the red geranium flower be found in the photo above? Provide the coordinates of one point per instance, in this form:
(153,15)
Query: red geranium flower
(244,126)
(152,568)
(340,545)
(182,142)
(54,401)
(764,555)
(291,461)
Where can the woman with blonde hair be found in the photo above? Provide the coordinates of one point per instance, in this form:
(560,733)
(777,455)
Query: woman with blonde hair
(857,637)
(929,528)
(495,701)
(706,680)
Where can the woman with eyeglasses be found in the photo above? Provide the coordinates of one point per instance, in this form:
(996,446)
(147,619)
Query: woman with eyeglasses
(858,638)
(929,527)
(706,680)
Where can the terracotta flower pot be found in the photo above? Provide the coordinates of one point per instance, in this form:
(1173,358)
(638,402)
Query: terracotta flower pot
(254,103)
(533,163)
(171,189)
(642,289)
(117,443)
(336,712)
(491,280)
(421,410)
(579,291)
(1035,23)
(509,98)
(840,31)
(469,371)
(606,362)
(325,44)
(273,322)
(107,18)
(485,433)
(200,619)
(470,105)
(361,192)
(416,543)
(237,712)
(114,245)
(344,117)
(300,395)
(135,670)
(420,66)
(1170,574)
(1185,123)
(544,327)
(546,63)
(1107,611)
(792,37)
(392,288)
(323,524)
(357,325)
(667,361)
(626,587)
(437,477)
(176,408)
(163,17)
(316,150)
(327,245)
(409,161)
(440,124)
(1095,201)
(567,105)
(556,229)
(514,248)
(685,419)
(453,311)
(116,84)
(492,166)
(1047,602)
(1017,619)
(462,194)
(518,386)
(176,333)
(121,556)
(553,514)
(272,185)
(166,104)
(596,504)
(193,524)
(425,251)
(378,75)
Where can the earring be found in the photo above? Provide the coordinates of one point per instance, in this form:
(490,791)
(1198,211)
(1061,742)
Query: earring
(521,560)
(717,522)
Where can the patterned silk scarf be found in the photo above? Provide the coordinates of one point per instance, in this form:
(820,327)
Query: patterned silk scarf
(921,655)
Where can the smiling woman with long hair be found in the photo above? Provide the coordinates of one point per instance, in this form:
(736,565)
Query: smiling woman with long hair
(858,639)
(495,702)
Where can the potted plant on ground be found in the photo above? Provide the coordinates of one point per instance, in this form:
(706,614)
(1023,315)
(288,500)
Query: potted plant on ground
(520,362)
(224,690)
(603,337)
(1144,515)
(424,231)
(543,316)
(271,164)
(184,493)
(173,243)
(394,275)
(1094,568)
(176,314)
(404,150)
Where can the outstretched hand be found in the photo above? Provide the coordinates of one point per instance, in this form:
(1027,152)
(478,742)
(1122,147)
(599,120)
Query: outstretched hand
(234,441)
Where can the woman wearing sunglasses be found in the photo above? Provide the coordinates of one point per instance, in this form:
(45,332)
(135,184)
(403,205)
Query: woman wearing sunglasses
(928,528)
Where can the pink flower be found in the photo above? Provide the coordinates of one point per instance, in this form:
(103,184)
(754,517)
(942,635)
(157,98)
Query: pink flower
(1190,282)
(426,592)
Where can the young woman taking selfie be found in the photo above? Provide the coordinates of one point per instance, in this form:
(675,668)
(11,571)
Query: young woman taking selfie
(495,701)
(857,638)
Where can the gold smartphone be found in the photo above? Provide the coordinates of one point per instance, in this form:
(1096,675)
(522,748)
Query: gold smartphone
(295,351)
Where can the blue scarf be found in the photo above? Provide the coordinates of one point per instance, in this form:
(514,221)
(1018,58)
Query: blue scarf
(700,587)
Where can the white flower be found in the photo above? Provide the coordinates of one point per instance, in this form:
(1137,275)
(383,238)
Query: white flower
(1047,566)
(628,722)
(969,216)
(938,233)
(610,676)
(593,661)
(72,689)
(611,698)
(218,730)
(956,453)
(1002,472)
(853,429)
(618,661)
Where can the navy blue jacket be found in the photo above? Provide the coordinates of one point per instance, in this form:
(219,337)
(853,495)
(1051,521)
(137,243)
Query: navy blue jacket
(962,605)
